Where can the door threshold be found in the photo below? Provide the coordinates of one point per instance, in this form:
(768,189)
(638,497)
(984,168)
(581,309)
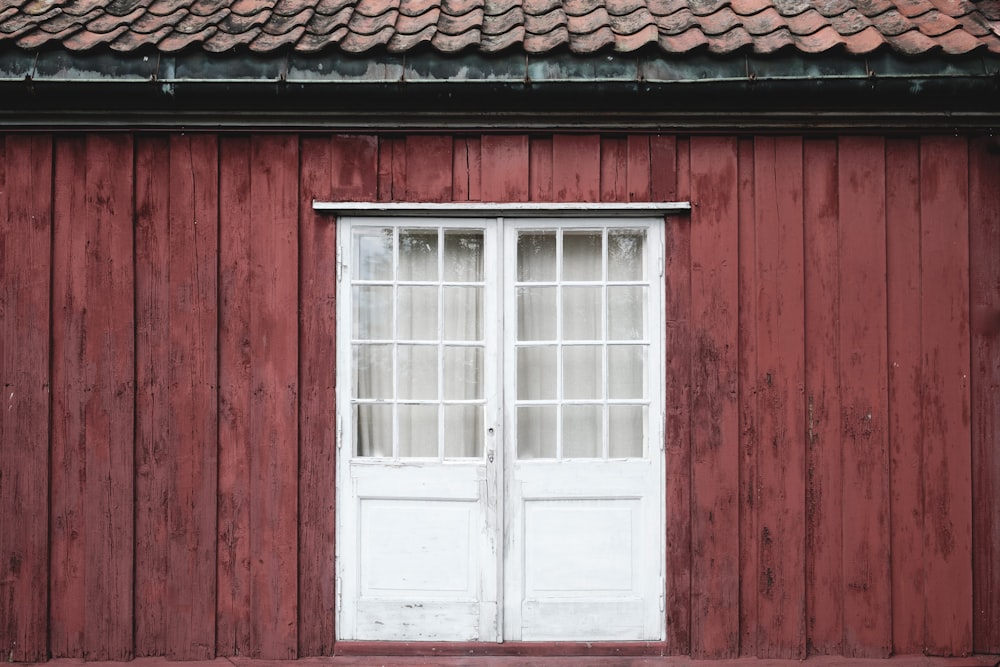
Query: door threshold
(512,648)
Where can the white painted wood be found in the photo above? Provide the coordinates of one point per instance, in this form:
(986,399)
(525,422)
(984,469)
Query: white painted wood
(508,210)
(496,548)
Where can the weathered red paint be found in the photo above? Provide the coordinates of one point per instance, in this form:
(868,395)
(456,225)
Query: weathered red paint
(816,282)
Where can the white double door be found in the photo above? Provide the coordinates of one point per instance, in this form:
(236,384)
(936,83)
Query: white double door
(500,472)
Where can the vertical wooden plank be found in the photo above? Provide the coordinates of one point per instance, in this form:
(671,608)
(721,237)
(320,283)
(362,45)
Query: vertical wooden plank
(152,354)
(235,363)
(69,534)
(984,267)
(108,334)
(780,404)
(663,175)
(576,168)
(677,274)
(824,490)
(540,168)
(192,404)
(638,175)
(505,168)
(274,396)
(25,255)
(429,178)
(715,576)
(614,169)
(944,255)
(749,443)
(864,397)
(902,209)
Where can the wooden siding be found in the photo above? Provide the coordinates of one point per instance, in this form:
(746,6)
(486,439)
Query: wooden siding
(168,436)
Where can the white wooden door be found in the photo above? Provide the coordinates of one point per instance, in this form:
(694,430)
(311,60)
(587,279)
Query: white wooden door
(519,498)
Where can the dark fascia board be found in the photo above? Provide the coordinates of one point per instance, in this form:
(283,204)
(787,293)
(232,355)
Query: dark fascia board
(648,90)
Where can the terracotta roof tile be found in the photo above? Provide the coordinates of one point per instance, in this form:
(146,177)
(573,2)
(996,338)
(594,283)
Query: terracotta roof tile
(535,26)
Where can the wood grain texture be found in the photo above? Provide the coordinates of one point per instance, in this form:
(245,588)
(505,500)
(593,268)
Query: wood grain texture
(638,174)
(715,579)
(192,402)
(747,370)
(429,179)
(25,245)
(824,487)
(68,532)
(235,376)
(505,168)
(864,398)
(614,169)
(274,396)
(780,403)
(677,274)
(984,269)
(107,368)
(905,391)
(152,429)
(576,168)
(945,404)
(540,168)
(467,169)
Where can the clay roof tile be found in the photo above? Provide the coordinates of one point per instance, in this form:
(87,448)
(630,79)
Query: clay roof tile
(545,41)
(865,41)
(132,40)
(502,41)
(498,25)
(84,40)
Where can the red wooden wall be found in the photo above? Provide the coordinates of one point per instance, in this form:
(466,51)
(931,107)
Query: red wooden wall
(167,345)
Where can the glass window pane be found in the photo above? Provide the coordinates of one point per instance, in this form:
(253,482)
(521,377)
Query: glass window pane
(418,430)
(627,313)
(418,371)
(373,429)
(582,313)
(463,313)
(418,313)
(418,256)
(463,373)
(582,376)
(583,431)
(463,431)
(626,254)
(626,371)
(536,432)
(536,373)
(463,256)
(536,256)
(373,260)
(627,431)
(536,313)
(582,255)
(373,371)
(372,313)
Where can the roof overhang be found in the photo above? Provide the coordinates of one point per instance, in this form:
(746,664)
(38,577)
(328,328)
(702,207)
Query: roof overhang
(644,91)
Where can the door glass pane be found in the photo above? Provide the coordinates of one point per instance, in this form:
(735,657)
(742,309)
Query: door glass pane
(536,313)
(536,256)
(627,313)
(418,430)
(372,313)
(418,313)
(536,432)
(418,371)
(583,431)
(373,256)
(626,254)
(581,313)
(463,431)
(626,371)
(373,371)
(418,254)
(463,313)
(463,256)
(582,255)
(582,374)
(374,429)
(463,373)
(626,430)
(536,373)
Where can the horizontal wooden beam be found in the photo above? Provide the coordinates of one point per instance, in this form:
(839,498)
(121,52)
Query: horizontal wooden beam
(506,210)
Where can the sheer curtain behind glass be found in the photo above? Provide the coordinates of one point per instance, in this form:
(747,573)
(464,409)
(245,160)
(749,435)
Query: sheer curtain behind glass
(419,344)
